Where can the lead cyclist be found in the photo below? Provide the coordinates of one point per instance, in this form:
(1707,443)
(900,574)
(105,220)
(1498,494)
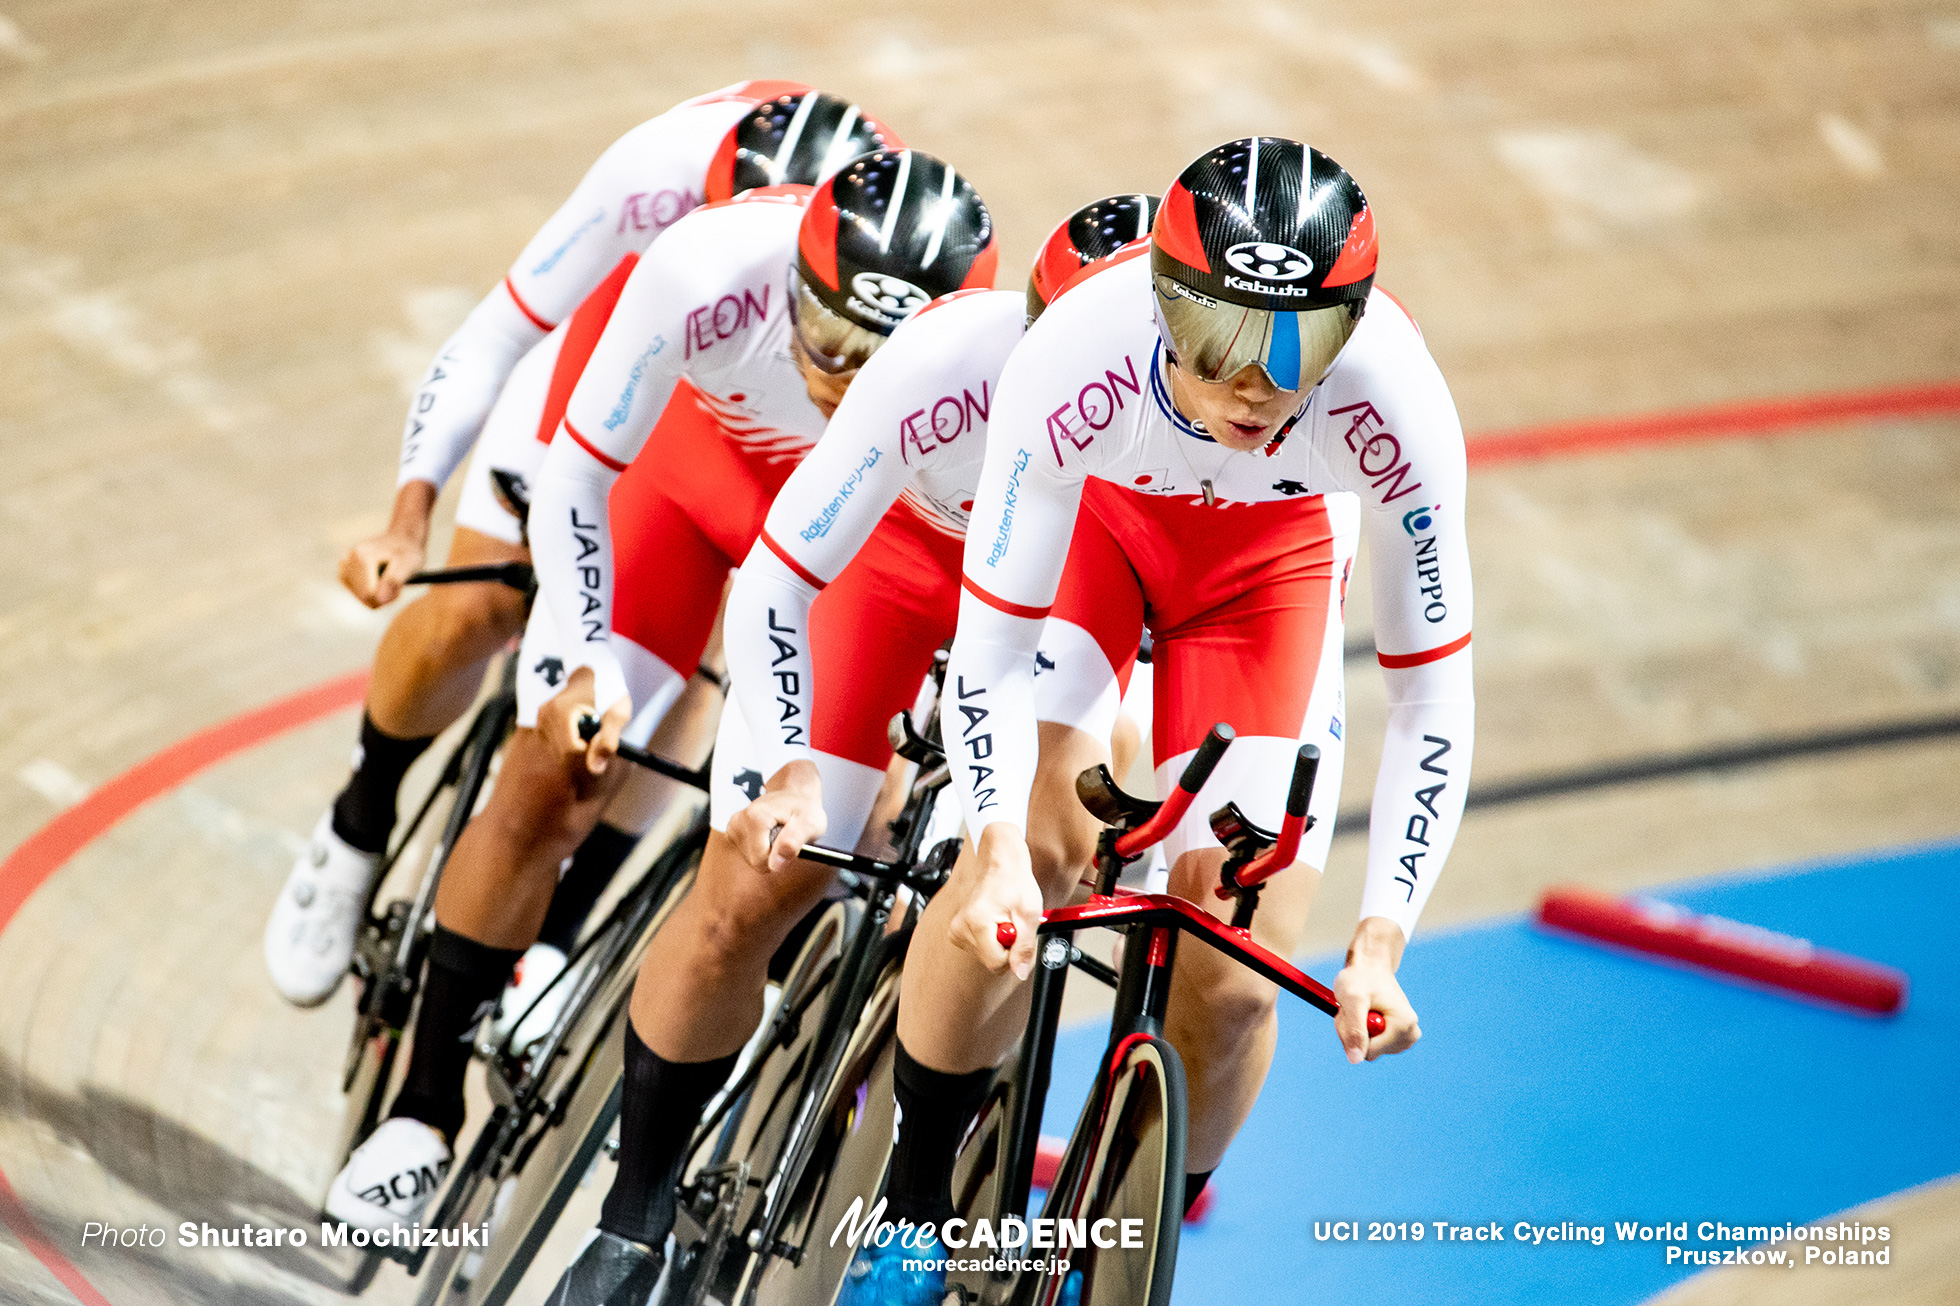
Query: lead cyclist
(1203,435)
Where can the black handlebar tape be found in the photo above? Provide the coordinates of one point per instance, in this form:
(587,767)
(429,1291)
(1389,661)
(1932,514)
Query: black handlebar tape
(1303,773)
(1199,768)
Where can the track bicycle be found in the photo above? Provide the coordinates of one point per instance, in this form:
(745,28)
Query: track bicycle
(1124,1162)
(805,1131)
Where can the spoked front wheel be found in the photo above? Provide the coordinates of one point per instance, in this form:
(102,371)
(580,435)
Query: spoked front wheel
(1129,1181)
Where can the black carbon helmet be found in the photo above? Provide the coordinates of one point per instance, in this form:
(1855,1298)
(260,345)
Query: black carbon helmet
(799,138)
(889,234)
(1092,232)
(1262,254)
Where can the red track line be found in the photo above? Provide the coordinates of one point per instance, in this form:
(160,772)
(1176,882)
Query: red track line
(50,847)
(1759,418)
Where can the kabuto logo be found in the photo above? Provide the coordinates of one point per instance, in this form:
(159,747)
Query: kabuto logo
(1269,262)
(551,669)
(891,299)
(1417,520)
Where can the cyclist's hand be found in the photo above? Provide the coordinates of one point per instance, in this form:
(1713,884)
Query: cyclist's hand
(770,832)
(374,569)
(1001,888)
(1367,983)
(559,719)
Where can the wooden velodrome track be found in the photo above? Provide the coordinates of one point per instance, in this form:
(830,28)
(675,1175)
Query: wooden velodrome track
(230,235)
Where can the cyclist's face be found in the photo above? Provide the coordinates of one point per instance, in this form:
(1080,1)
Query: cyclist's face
(1242,412)
(826,389)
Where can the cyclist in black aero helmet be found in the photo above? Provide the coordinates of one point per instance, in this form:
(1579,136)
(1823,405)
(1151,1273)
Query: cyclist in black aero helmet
(1199,441)
(889,234)
(1090,234)
(1264,254)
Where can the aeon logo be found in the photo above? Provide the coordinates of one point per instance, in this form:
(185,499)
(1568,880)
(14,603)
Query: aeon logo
(893,296)
(1269,262)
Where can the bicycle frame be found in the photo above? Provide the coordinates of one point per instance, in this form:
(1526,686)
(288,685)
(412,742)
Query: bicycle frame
(1153,925)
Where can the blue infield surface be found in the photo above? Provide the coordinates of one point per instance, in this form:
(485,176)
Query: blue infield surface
(1560,1082)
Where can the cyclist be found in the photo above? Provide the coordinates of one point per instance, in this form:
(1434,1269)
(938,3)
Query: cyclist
(1230,416)
(832,623)
(701,328)
(492,375)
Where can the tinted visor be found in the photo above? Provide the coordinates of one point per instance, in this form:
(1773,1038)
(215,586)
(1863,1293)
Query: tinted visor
(1215,341)
(828,339)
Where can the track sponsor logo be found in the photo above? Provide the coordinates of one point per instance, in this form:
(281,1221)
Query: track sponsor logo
(708,324)
(1094,407)
(1268,261)
(946,420)
(1377,452)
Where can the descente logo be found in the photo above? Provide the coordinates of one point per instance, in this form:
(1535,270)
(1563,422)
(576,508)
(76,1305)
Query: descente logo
(859,1228)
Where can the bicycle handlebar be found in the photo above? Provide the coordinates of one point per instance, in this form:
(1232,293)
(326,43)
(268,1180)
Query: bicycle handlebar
(588,728)
(1172,809)
(1280,856)
(517,575)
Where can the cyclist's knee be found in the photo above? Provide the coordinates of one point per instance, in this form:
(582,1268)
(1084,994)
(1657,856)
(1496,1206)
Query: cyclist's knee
(742,915)
(1062,849)
(470,622)
(1234,1002)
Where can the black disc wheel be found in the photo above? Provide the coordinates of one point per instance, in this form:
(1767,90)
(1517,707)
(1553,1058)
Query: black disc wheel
(1127,1182)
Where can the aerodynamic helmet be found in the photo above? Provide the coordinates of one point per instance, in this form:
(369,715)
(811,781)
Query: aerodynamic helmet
(1263,253)
(882,239)
(1092,232)
(796,138)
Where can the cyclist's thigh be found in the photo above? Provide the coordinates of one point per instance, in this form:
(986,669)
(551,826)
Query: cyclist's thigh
(509,443)
(873,632)
(1089,642)
(1266,659)
(668,581)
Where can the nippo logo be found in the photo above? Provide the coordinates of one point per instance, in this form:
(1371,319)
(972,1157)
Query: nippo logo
(1269,262)
(893,295)
(1420,519)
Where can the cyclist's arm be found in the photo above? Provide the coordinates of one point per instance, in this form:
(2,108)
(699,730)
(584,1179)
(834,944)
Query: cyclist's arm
(883,432)
(1016,546)
(1420,564)
(645,180)
(620,396)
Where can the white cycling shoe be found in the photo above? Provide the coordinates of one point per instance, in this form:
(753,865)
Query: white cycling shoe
(390,1179)
(536,969)
(309,939)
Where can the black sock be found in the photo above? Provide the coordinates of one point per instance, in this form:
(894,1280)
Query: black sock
(934,1110)
(364,813)
(1194,1186)
(660,1107)
(464,979)
(593,867)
